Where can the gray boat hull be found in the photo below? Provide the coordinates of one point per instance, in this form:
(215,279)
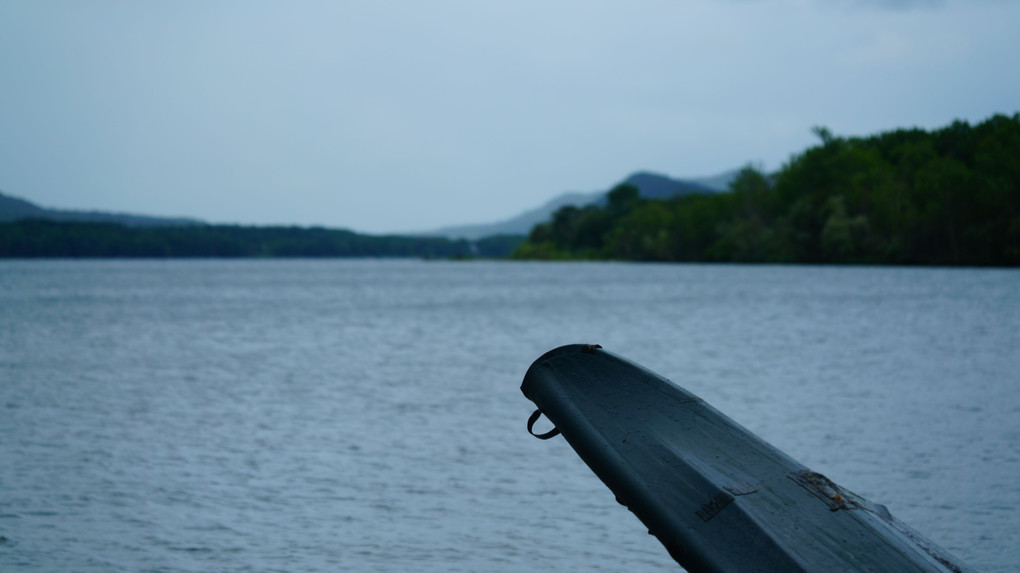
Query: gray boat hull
(718,497)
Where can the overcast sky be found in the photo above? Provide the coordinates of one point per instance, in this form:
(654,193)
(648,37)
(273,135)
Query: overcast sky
(412,115)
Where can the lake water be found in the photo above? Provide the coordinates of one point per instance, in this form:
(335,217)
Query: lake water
(290,415)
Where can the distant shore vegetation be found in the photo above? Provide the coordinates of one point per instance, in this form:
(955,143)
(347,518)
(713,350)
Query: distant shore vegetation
(907,197)
(36,238)
(912,197)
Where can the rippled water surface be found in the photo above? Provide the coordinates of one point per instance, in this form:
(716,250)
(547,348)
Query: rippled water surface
(366,415)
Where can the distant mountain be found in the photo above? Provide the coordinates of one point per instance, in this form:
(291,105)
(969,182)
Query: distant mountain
(30,231)
(15,209)
(651,186)
(521,224)
(658,187)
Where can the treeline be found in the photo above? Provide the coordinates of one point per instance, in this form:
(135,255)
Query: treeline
(946,197)
(41,238)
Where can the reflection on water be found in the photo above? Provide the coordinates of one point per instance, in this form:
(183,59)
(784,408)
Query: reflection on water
(365,415)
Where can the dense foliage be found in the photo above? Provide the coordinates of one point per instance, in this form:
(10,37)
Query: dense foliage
(39,238)
(947,197)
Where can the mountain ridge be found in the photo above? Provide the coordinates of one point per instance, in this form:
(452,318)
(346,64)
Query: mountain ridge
(16,209)
(650,185)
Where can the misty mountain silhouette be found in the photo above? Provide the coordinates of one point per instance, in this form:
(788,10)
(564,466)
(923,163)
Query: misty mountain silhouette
(650,185)
(16,209)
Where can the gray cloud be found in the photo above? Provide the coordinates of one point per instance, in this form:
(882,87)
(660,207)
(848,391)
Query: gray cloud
(895,5)
(902,5)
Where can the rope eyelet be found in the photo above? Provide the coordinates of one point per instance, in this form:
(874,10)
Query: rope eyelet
(531,425)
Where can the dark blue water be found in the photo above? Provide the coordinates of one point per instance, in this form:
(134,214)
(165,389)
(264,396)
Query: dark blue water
(365,415)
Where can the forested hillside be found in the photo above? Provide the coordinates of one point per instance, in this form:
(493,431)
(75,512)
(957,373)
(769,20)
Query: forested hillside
(945,197)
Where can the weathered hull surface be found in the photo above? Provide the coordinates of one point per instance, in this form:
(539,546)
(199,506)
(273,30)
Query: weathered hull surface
(718,497)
